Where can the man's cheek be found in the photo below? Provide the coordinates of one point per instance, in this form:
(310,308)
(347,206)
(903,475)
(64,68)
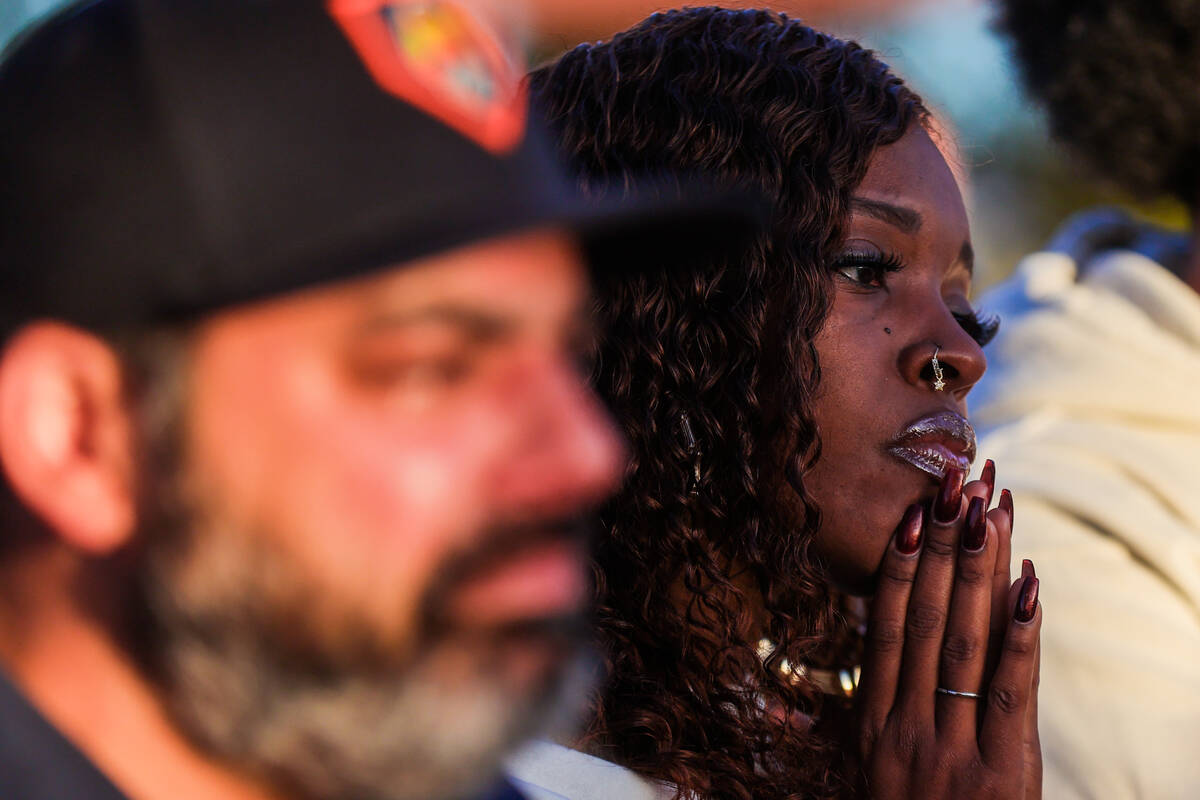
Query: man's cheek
(380,513)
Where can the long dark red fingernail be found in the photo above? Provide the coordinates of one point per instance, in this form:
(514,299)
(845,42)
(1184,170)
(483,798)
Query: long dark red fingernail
(975,537)
(908,535)
(1027,600)
(988,476)
(1006,504)
(1027,570)
(949,499)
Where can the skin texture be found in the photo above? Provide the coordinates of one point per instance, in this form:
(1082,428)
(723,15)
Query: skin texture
(943,613)
(945,616)
(410,412)
(874,383)
(363,436)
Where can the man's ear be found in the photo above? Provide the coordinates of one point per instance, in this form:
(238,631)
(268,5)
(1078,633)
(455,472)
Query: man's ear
(66,435)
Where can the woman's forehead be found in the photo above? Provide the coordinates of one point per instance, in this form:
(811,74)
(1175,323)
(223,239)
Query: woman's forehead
(911,167)
(910,186)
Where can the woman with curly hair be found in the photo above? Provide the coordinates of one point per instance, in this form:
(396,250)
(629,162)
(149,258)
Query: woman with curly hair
(784,406)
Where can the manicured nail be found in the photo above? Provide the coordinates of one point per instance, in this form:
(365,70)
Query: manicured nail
(988,476)
(975,536)
(949,499)
(908,535)
(1027,600)
(1007,504)
(1027,570)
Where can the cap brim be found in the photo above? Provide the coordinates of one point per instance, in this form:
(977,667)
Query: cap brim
(663,224)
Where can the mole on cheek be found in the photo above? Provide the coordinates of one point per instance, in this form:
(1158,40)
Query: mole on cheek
(888,331)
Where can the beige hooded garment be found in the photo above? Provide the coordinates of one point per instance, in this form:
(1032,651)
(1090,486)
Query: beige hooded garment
(1091,410)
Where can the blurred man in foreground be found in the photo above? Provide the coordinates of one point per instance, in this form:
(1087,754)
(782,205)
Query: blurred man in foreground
(294,436)
(1091,403)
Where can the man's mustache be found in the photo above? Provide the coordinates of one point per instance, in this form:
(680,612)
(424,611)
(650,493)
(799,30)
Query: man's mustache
(498,544)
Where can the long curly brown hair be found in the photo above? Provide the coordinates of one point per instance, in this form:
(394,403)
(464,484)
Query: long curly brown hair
(711,368)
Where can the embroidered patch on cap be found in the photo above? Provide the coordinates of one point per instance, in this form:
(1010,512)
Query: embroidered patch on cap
(438,56)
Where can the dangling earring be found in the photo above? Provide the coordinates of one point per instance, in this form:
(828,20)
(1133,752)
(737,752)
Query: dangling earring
(939,384)
(693,450)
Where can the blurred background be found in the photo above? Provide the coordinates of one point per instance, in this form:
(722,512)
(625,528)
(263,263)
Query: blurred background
(1022,186)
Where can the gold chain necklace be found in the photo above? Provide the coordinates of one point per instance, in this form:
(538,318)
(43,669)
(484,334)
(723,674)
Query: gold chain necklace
(841,682)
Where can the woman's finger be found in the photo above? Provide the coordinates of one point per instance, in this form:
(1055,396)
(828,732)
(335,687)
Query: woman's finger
(1003,734)
(965,646)
(929,605)
(1033,742)
(1001,518)
(987,476)
(885,628)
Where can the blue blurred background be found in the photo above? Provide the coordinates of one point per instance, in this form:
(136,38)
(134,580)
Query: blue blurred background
(14,14)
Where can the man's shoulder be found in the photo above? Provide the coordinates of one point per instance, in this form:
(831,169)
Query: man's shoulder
(37,762)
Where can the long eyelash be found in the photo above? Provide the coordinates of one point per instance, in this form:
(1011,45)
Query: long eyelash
(982,326)
(888,262)
(979,325)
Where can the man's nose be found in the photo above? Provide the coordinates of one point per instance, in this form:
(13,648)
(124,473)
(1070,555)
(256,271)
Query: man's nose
(572,456)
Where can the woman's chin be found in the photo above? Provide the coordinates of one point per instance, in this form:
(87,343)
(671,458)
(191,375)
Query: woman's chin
(856,583)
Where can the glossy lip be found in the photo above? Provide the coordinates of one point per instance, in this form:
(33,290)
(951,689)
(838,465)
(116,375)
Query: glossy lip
(935,442)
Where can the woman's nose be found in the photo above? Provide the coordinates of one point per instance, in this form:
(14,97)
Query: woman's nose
(945,359)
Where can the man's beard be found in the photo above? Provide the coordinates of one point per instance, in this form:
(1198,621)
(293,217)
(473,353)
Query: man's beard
(240,673)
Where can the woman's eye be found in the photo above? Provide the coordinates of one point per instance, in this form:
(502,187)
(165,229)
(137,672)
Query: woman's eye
(868,270)
(862,274)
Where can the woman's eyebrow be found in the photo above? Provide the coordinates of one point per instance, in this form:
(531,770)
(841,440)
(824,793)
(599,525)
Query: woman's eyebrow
(906,219)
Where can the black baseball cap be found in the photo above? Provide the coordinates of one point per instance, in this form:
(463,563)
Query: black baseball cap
(162,158)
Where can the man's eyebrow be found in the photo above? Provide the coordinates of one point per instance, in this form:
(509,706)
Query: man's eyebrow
(477,323)
(906,219)
(967,256)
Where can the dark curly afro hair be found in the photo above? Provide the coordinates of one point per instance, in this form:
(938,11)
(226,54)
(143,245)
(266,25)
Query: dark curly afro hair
(1121,82)
(710,367)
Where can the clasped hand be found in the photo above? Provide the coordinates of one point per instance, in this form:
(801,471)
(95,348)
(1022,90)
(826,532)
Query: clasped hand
(947,704)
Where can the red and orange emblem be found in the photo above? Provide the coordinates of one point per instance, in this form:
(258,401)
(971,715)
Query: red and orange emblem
(440,57)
